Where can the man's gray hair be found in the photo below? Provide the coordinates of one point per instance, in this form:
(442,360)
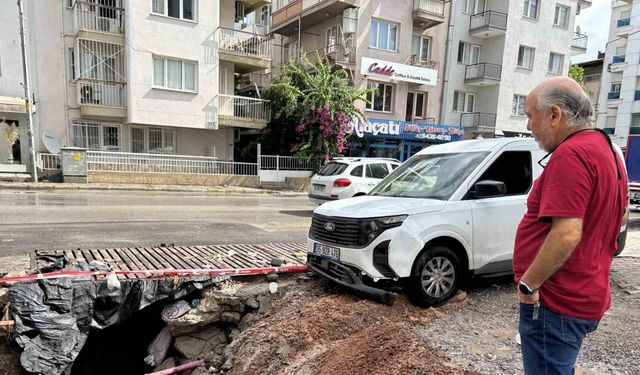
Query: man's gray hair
(576,105)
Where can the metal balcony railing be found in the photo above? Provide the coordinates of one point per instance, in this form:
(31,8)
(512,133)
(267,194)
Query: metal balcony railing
(335,53)
(612,95)
(479,120)
(429,6)
(618,59)
(243,107)
(622,22)
(243,43)
(592,77)
(93,16)
(429,64)
(95,92)
(483,71)
(579,41)
(489,18)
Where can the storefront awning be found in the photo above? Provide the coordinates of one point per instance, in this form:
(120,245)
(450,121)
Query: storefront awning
(12,105)
(393,129)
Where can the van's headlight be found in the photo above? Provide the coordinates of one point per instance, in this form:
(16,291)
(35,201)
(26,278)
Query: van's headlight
(371,228)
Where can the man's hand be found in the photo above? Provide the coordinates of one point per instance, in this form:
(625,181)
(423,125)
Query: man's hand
(529,300)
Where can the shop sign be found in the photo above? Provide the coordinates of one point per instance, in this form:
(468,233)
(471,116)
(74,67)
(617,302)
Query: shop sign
(375,127)
(400,72)
(392,129)
(434,132)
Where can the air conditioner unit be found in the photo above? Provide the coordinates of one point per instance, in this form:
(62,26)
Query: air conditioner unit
(89,94)
(239,11)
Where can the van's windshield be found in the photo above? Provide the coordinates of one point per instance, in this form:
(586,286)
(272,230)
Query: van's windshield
(435,176)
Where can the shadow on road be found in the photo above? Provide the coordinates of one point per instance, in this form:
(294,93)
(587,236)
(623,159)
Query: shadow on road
(298,213)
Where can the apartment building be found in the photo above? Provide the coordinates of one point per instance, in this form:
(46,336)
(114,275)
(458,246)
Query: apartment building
(394,47)
(593,78)
(152,76)
(499,51)
(619,101)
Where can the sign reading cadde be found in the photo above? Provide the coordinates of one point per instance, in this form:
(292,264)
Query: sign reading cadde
(400,72)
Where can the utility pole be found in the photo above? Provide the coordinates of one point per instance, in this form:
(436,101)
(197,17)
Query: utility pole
(27,94)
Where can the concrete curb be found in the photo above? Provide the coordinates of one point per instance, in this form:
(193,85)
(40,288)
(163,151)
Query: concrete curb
(222,190)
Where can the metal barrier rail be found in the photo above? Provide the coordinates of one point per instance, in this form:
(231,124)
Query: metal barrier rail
(243,43)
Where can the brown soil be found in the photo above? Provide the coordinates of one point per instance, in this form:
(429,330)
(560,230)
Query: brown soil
(308,331)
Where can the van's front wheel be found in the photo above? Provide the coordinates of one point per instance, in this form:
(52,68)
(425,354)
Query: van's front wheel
(435,277)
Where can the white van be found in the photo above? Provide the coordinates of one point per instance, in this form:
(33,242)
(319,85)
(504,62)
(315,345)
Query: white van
(448,213)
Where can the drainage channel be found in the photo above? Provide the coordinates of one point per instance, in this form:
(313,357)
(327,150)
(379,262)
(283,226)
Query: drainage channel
(103,311)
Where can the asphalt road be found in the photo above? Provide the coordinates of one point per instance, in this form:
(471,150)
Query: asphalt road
(32,220)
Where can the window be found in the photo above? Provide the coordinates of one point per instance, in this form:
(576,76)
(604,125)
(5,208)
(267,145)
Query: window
(95,135)
(611,122)
(333,37)
(72,63)
(377,170)
(562,16)
(621,50)
(383,35)
(357,171)
(420,47)
(473,6)
(463,101)
(556,63)
(635,122)
(174,74)
(468,53)
(332,169)
(153,140)
(182,9)
(514,169)
(264,18)
(517,107)
(616,86)
(381,98)
(531,8)
(525,57)
(416,104)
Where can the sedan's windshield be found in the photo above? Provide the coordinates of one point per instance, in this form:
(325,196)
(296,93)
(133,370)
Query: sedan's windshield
(435,176)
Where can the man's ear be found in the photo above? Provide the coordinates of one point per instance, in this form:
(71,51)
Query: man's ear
(556,113)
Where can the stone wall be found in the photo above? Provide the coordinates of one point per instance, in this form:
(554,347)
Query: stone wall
(173,179)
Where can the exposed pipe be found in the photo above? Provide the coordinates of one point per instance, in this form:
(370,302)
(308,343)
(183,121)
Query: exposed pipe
(445,70)
(175,370)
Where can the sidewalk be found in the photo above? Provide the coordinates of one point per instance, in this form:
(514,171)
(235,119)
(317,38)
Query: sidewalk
(141,187)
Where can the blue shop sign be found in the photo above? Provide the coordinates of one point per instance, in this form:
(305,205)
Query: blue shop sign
(393,129)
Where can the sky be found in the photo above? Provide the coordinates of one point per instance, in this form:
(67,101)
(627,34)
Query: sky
(594,22)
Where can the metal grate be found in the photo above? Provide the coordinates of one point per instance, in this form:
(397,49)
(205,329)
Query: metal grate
(346,232)
(184,257)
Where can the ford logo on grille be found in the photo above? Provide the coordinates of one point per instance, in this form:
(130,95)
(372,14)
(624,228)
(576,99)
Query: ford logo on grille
(329,227)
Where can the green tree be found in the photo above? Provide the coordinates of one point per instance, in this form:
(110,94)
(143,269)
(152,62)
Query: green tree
(577,73)
(312,106)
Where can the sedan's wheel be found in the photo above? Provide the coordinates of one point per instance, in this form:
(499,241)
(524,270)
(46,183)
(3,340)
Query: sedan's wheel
(435,277)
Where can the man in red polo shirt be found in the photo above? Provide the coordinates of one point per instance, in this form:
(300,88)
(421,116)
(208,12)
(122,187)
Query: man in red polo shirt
(566,239)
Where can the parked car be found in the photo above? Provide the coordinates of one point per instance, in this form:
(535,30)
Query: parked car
(344,178)
(448,213)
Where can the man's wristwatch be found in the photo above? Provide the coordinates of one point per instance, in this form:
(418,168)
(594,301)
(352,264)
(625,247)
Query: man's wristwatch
(526,289)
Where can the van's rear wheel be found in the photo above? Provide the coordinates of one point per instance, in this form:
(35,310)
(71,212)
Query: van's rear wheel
(435,277)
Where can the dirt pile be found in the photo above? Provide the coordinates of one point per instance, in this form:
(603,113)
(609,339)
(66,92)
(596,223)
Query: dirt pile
(308,331)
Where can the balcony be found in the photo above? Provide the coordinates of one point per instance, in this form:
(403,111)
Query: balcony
(488,24)
(479,123)
(102,22)
(251,5)
(579,43)
(610,131)
(483,74)
(253,82)
(284,20)
(336,55)
(101,98)
(243,112)
(248,51)
(428,13)
(623,27)
(429,64)
(622,22)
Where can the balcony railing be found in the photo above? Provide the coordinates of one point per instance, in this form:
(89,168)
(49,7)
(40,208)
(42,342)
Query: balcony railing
(613,95)
(618,59)
(592,77)
(483,71)
(335,53)
(97,17)
(243,107)
(622,22)
(489,18)
(243,43)
(429,64)
(429,6)
(579,41)
(479,120)
(93,92)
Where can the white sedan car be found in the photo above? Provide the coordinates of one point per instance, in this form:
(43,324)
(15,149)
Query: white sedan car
(344,178)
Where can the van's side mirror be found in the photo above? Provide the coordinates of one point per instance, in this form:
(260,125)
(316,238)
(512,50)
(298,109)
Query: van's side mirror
(489,188)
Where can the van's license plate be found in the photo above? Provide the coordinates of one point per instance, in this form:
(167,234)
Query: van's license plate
(326,251)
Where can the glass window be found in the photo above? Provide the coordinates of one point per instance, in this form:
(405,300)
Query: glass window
(517,107)
(530,8)
(383,35)
(190,76)
(95,135)
(332,169)
(138,140)
(377,170)
(187,9)
(420,104)
(173,8)
(110,69)
(72,63)
(562,16)
(381,99)
(525,57)
(463,101)
(174,74)
(468,53)
(111,138)
(420,48)
(158,6)
(332,36)
(357,171)
(556,62)
(182,9)
(616,86)
(158,71)
(514,169)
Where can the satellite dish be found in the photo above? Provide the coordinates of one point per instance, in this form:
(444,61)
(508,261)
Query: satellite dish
(50,143)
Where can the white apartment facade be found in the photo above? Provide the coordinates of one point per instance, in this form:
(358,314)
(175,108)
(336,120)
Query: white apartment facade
(500,50)
(370,39)
(145,76)
(619,102)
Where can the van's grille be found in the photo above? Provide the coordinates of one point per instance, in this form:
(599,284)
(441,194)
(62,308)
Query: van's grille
(346,232)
